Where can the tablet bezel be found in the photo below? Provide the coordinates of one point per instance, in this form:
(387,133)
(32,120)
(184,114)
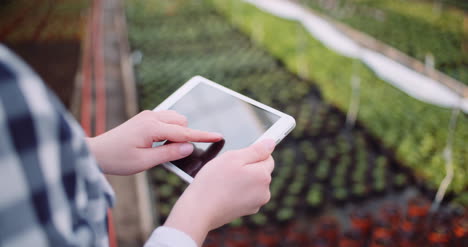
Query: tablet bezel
(282,127)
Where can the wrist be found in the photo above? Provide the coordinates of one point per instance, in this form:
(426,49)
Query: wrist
(93,147)
(187,217)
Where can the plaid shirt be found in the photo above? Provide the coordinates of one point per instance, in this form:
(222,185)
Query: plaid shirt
(51,190)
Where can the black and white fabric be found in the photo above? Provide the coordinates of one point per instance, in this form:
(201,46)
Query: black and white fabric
(51,190)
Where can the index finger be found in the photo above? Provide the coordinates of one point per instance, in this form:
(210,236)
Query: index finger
(177,133)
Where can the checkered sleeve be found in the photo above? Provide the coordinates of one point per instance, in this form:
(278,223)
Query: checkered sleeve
(52,192)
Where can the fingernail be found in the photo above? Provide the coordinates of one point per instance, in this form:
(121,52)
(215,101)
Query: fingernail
(269,144)
(185,149)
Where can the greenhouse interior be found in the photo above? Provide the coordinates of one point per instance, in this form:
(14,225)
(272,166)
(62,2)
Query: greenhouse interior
(378,90)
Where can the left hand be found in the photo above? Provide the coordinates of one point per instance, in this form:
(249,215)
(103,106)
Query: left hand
(127,149)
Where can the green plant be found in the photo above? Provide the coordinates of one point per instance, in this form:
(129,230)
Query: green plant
(400,179)
(285,214)
(205,43)
(359,189)
(338,180)
(314,196)
(259,219)
(165,190)
(270,206)
(322,171)
(236,223)
(379,185)
(165,209)
(290,200)
(414,28)
(288,156)
(173,180)
(309,151)
(295,187)
(395,125)
(340,194)
(159,174)
(358,175)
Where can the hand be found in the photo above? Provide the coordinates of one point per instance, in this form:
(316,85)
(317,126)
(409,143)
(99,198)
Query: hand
(232,185)
(127,149)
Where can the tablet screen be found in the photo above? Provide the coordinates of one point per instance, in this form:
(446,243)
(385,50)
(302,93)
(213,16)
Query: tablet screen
(210,109)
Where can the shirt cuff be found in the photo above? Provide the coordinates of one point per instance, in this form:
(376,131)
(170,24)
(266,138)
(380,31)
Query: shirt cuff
(165,236)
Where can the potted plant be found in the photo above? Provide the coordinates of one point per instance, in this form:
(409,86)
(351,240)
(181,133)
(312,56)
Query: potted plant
(259,219)
(174,180)
(314,196)
(296,186)
(400,180)
(284,214)
(290,200)
(340,194)
(359,191)
(359,173)
(165,191)
(164,209)
(322,171)
(288,157)
(309,151)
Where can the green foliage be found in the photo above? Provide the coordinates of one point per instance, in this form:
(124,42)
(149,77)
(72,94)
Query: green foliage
(285,214)
(237,222)
(319,163)
(415,130)
(259,219)
(417,28)
(315,196)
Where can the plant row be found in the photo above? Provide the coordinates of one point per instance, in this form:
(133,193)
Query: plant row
(408,224)
(416,131)
(320,163)
(416,28)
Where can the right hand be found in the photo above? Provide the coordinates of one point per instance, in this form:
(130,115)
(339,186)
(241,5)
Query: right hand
(128,148)
(230,186)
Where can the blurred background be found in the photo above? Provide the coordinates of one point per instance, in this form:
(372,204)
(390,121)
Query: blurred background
(379,90)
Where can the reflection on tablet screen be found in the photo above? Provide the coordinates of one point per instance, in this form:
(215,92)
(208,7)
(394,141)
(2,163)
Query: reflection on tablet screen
(194,162)
(211,109)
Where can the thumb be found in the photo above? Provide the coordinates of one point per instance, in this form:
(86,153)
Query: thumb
(257,152)
(166,153)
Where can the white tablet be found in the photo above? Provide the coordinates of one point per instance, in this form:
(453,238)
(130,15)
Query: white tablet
(209,106)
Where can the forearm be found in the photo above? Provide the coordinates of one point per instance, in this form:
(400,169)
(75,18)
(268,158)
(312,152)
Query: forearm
(186,217)
(98,153)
